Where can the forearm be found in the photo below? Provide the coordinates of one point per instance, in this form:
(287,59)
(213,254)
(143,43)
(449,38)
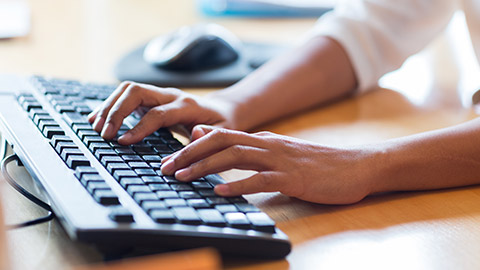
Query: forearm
(315,73)
(444,158)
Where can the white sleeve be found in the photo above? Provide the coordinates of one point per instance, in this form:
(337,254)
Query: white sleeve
(378,35)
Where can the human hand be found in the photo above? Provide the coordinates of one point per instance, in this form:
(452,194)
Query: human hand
(291,166)
(166,107)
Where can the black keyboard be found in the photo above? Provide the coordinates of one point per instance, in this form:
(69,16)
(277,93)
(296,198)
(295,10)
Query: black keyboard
(130,202)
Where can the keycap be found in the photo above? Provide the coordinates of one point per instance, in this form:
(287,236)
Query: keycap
(70,151)
(153,179)
(81,170)
(153,205)
(189,195)
(93,186)
(74,161)
(217,200)
(71,117)
(167,194)
(59,138)
(261,222)
(127,181)
(132,189)
(112,166)
(106,197)
(175,202)
(144,196)
(211,217)
(186,215)
(50,131)
(198,203)
(226,208)
(145,172)
(237,220)
(121,214)
(245,207)
(119,174)
(91,177)
(162,216)
(159,187)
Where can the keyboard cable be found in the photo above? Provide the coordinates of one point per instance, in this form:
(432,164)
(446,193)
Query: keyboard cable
(24,192)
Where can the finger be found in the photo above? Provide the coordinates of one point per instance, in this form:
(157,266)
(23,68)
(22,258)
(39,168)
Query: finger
(134,96)
(213,142)
(155,118)
(201,130)
(260,182)
(234,157)
(98,116)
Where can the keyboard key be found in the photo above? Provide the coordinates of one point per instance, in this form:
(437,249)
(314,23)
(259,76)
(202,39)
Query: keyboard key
(246,207)
(167,194)
(106,197)
(59,138)
(107,160)
(217,200)
(153,205)
(189,195)
(89,178)
(144,196)
(237,220)
(162,216)
(132,189)
(226,208)
(93,186)
(121,214)
(261,222)
(211,217)
(112,166)
(198,203)
(100,145)
(81,170)
(152,158)
(71,117)
(119,174)
(41,117)
(50,131)
(186,215)
(175,202)
(139,165)
(146,172)
(131,158)
(70,151)
(153,180)
(73,161)
(100,153)
(127,181)
(64,145)
(159,187)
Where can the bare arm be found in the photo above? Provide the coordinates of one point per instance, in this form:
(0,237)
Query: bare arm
(315,73)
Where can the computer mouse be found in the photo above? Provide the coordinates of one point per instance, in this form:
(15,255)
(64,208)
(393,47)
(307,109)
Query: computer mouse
(201,46)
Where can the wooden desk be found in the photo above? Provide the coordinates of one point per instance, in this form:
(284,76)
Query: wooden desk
(411,230)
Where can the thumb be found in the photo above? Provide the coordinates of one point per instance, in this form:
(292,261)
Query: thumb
(201,130)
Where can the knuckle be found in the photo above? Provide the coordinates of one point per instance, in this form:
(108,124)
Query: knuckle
(264,133)
(265,180)
(188,100)
(238,151)
(157,112)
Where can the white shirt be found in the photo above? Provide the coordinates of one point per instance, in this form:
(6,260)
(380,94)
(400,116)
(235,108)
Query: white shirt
(378,35)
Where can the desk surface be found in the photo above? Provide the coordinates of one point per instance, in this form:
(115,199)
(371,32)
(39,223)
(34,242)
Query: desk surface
(411,230)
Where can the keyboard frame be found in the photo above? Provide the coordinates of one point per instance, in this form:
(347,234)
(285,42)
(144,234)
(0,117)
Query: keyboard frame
(86,220)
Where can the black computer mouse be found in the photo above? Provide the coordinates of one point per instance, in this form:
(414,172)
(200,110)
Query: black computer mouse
(202,46)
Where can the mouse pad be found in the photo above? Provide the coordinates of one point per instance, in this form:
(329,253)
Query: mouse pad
(132,67)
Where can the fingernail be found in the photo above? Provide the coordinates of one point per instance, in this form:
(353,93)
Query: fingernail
(98,124)
(125,137)
(183,173)
(167,168)
(222,190)
(107,131)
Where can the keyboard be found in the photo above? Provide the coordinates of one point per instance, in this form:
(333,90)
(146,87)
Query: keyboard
(114,196)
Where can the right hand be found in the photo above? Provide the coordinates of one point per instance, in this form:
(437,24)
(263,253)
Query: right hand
(166,107)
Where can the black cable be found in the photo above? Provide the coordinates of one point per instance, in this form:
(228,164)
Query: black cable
(25,193)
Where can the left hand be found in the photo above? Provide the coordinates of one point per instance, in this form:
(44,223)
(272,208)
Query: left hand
(291,166)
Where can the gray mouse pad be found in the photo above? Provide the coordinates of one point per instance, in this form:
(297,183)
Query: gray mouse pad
(132,67)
